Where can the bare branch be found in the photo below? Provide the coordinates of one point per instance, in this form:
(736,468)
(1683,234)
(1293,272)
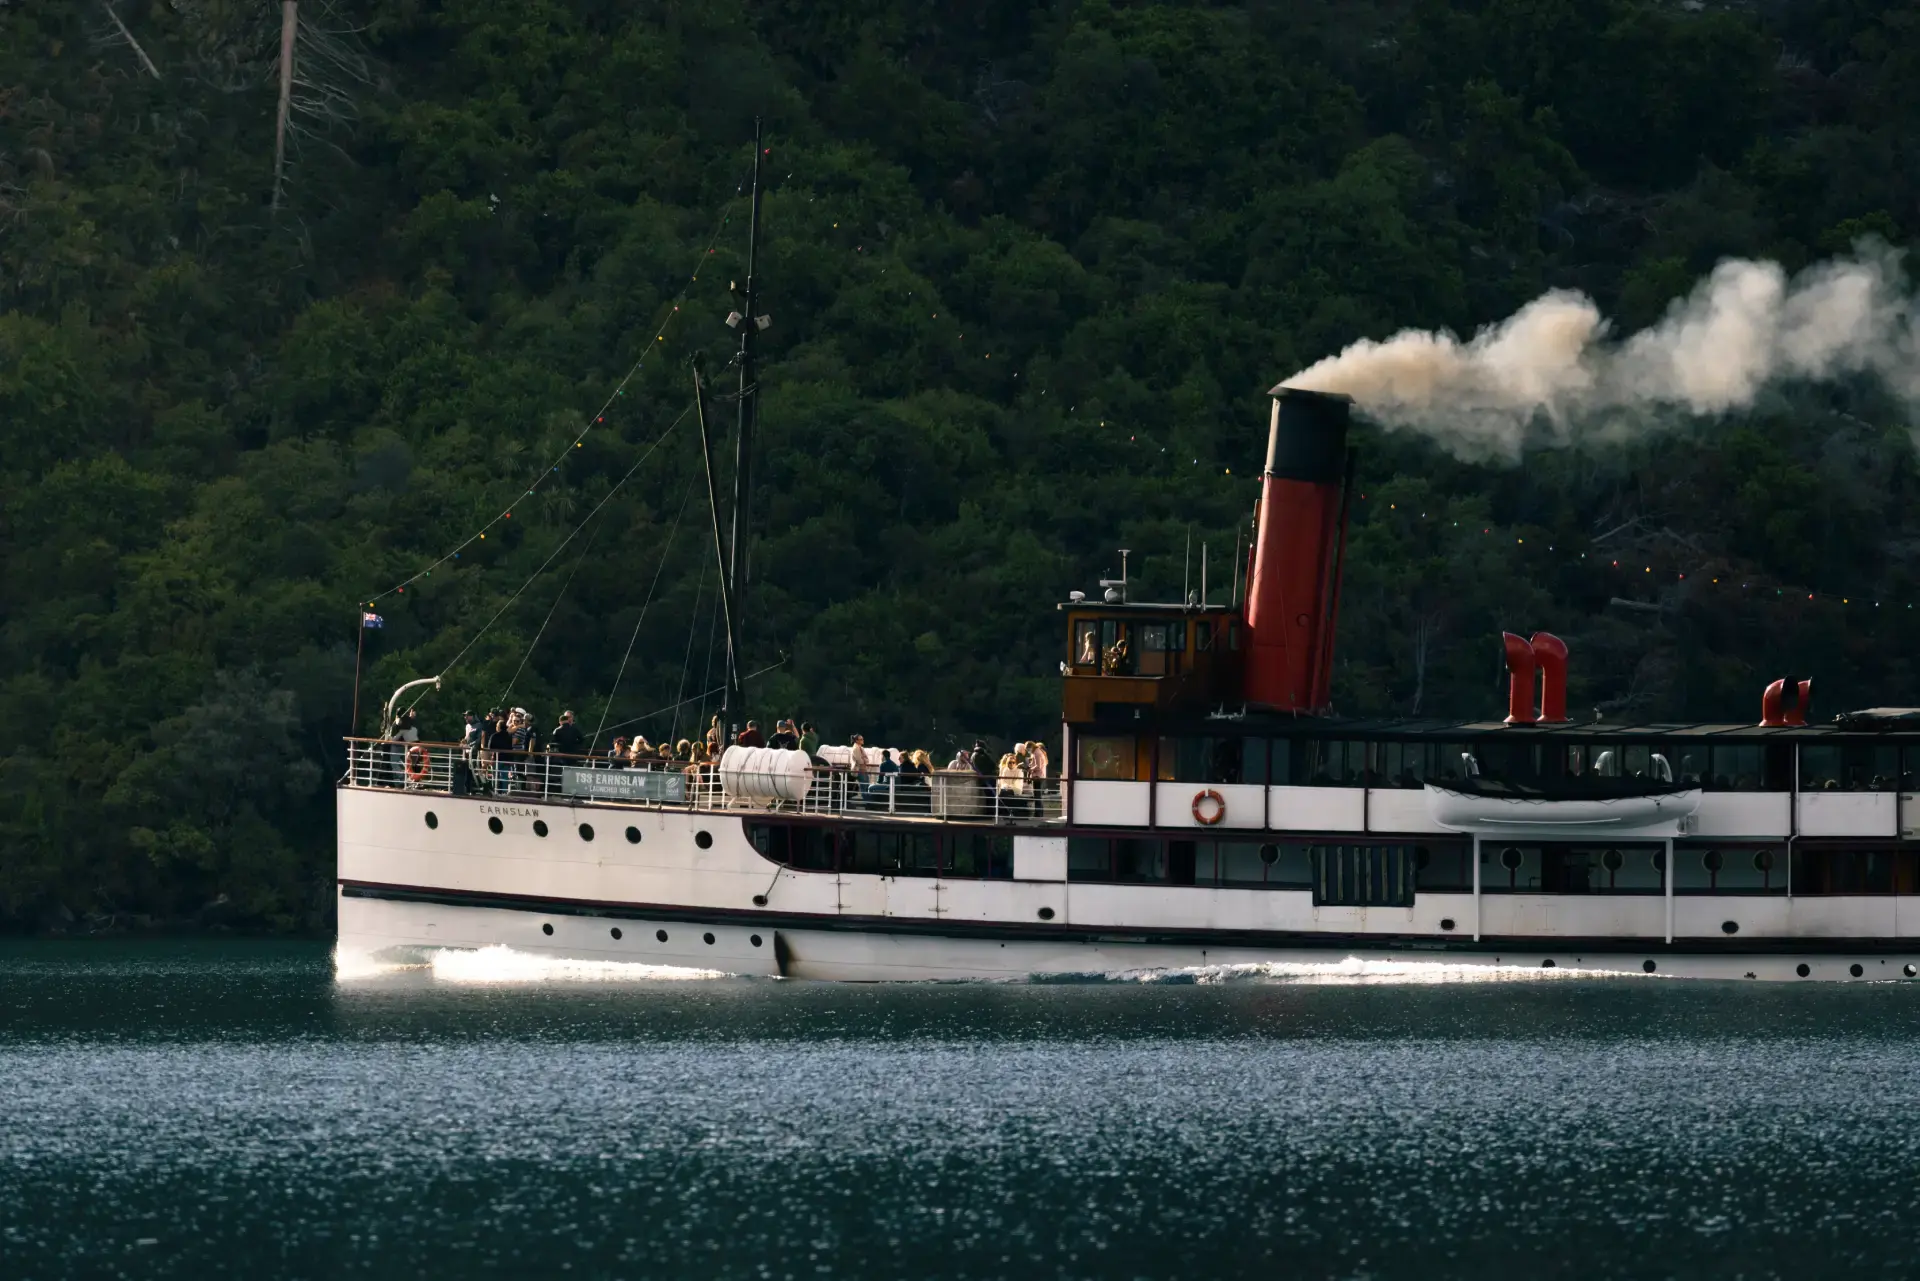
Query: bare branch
(127,35)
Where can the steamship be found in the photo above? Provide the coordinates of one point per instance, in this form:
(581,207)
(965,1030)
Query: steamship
(1210,813)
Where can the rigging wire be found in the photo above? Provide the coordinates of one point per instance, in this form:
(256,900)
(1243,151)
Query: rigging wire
(706,677)
(551,556)
(506,693)
(698,698)
(686,661)
(657,571)
(599,415)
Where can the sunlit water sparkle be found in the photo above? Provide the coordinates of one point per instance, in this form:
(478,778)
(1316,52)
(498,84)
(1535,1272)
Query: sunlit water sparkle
(238,1110)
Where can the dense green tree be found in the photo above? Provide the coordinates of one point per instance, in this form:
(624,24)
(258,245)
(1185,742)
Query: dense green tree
(1031,270)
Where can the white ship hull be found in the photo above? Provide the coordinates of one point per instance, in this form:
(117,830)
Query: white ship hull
(406,888)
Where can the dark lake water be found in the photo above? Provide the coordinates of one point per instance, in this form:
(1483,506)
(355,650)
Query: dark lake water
(235,1110)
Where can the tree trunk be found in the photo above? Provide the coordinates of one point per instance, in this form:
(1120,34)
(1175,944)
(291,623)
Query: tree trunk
(289,24)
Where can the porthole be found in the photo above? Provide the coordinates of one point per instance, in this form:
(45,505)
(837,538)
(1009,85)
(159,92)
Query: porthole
(1648,966)
(1803,969)
(633,836)
(661,935)
(1763,861)
(1611,860)
(1046,914)
(703,839)
(493,825)
(539,827)
(708,939)
(1510,859)
(754,939)
(586,831)
(1729,927)
(1547,964)
(759,900)
(1713,862)
(433,819)
(1269,854)
(547,928)
(615,931)
(1446,923)
(1909,971)
(1855,969)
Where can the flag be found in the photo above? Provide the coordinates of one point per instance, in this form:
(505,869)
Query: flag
(370,619)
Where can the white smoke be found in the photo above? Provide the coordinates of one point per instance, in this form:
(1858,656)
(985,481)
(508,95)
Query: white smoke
(1553,373)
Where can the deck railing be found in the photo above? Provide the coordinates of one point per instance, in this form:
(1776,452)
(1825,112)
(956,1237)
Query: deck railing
(448,769)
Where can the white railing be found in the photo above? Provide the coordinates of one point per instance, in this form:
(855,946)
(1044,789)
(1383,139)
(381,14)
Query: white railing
(448,769)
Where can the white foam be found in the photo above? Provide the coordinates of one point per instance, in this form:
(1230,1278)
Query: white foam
(501,964)
(348,966)
(1355,971)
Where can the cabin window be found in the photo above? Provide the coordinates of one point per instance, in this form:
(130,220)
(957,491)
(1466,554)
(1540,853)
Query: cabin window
(985,855)
(1116,648)
(1098,757)
(1161,647)
(1202,635)
(1449,762)
(1737,767)
(1568,868)
(1322,762)
(1446,867)
(1691,766)
(1204,760)
(1139,859)
(794,845)
(1089,858)
(1402,764)
(1084,646)
(1716,868)
(1849,767)
(1274,865)
(1854,871)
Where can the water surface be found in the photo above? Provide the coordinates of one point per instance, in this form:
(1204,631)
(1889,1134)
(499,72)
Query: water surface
(233,1109)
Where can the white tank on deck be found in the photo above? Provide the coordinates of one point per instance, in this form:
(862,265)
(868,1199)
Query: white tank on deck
(765,774)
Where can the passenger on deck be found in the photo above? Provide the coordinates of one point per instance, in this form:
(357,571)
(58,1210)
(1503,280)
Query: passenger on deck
(809,739)
(859,760)
(783,737)
(962,759)
(1037,756)
(683,751)
(751,736)
(715,736)
(617,755)
(566,737)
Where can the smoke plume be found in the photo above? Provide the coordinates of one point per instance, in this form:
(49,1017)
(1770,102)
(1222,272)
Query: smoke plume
(1554,373)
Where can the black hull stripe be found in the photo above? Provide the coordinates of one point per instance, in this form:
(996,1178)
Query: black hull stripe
(1004,932)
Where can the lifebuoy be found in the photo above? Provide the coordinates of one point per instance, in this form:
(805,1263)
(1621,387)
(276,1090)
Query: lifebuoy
(1207,818)
(417,763)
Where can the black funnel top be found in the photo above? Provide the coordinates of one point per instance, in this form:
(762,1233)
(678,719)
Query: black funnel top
(1309,437)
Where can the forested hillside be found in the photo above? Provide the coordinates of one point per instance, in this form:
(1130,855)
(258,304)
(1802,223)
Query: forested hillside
(1030,269)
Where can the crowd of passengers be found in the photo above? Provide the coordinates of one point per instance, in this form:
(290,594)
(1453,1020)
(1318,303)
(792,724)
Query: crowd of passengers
(504,753)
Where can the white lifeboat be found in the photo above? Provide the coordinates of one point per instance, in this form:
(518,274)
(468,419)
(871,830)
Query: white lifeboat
(1481,806)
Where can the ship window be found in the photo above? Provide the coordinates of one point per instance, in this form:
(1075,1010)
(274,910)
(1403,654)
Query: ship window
(1116,647)
(1711,868)
(871,851)
(919,854)
(1449,762)
(1855,871)
(1690,765)
(979,854)
(1161,648)
(1869,767)
(1089,858)
(1737,768)
(1443,866)
(1084,651)
(1202,760)
(1139,859)
(1402,764)
(1104,758)
(1272,864)
(1820,768)
(1321,762)
(1202,635)
(792,845)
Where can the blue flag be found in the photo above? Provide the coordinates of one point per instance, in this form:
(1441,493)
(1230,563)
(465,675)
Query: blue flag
(370,619)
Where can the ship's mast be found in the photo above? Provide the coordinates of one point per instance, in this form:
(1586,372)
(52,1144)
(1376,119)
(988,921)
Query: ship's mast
(731,701)
(749,322)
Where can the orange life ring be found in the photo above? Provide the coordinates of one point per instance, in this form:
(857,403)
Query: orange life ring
(418,763)
(1218,812)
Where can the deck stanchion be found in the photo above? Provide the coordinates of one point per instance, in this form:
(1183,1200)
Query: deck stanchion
(1668,861)
(1476,888)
